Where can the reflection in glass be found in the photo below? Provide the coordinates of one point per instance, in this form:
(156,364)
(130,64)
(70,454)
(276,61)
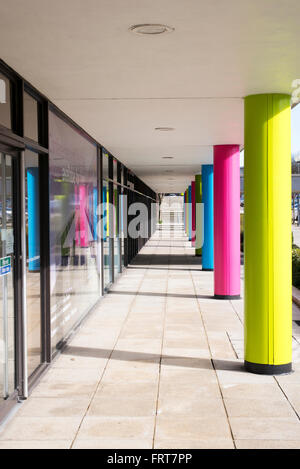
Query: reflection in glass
(5,104)
(7,312)
(122,175)
(73,240)
(105,165)
(30,117)
(111,228)
(33,258)
(106,258)
(117,243)
(115,169)
(122,224)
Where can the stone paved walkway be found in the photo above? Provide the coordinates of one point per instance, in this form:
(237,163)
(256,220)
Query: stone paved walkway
(159,365)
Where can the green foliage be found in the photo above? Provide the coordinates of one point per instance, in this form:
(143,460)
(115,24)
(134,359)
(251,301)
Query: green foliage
(296,267)
(242,222)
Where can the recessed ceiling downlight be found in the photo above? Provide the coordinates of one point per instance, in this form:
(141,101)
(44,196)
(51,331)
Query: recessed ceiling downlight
(151,28)
(167,157)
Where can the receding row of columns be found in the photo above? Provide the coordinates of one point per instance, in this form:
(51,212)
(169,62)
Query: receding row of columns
(212,223)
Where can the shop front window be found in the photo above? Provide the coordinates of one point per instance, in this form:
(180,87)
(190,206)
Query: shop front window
(73,231)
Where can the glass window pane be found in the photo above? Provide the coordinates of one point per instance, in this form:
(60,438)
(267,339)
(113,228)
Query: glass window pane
(105,163)
(30,117)
(122,224)
(7,311)
(33,253)
(111,228)
(122,175)
(5,104)
(73,240)
(115,169)
(106,256)
(117,243)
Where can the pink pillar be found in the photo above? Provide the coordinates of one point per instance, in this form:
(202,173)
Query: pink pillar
(193,215)
(83,197)
(227,221)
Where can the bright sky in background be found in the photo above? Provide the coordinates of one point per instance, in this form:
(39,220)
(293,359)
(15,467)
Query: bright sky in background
(295,122)
(242,159)
(296,129)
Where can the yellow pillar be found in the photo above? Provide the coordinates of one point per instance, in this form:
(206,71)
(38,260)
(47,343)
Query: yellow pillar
(268,282)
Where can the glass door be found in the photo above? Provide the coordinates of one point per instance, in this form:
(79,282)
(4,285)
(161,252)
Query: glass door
(22,331)
(7,263)
(33,260)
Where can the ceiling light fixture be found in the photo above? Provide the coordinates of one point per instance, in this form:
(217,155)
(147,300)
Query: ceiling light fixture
(164,129)
(151,29)
(167,157)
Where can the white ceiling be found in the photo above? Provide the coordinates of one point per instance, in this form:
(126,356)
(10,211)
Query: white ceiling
(119,86)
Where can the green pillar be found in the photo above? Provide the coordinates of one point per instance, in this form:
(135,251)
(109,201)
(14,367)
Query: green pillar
(268,282)
(199,215)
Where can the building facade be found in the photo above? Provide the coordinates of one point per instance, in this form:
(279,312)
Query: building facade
(64,230)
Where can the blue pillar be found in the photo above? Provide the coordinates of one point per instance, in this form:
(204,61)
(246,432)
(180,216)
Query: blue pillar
(208,201)
(33,219)
(190,212)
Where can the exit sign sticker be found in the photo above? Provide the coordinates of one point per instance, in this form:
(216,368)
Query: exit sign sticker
(5,266)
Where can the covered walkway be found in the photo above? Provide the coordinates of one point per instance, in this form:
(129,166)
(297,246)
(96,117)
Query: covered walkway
(158,364)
